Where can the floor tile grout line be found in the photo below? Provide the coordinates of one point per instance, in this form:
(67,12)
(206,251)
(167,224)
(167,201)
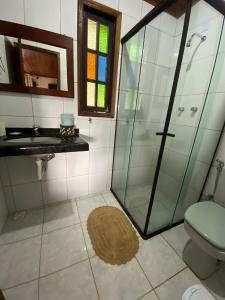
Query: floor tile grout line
(144,273)
(88,256)
(171,246)
(20,284)
(61,228)
(39,271)
(157,286)
(22,240)
(64,268)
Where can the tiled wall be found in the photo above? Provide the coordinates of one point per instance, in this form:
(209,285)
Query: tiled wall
(72,174)
(3,208)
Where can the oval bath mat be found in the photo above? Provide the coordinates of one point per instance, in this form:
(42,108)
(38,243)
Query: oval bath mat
(112,235)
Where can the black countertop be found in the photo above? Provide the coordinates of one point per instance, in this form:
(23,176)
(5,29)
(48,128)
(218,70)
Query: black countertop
(65,144)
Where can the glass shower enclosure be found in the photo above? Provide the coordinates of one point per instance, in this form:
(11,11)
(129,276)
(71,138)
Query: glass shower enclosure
(167,129)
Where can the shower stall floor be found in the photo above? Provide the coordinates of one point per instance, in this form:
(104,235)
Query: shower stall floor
(137,202)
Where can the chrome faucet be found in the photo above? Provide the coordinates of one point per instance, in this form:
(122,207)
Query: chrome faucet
(36,132)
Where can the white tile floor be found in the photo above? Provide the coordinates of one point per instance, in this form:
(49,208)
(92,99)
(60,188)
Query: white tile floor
(48,255)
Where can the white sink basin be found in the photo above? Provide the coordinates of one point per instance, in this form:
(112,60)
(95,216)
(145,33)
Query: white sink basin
(36,139)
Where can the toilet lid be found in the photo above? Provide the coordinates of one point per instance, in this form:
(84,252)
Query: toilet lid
(197,292)
(208,219)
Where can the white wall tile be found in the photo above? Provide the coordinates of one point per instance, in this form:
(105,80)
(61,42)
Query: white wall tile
(4,175)
(12,121)
(127,23)
(69,18)
(75,60)
(213,116)
(97,182)
(198,175)
(168,23)
(77,163)
(12,10)
(77,186)
(22,169)
(84,127)
(70,106)
(48,107)
(165,49)
(99,133)
(56,167)
(131,8)
(207,140)
(3,208)
(146,8)
(111,3)
(99,160)
(54,191)
(15,104)
(47,122)
(44,14)
(9,199)
(221,151)
(28,195)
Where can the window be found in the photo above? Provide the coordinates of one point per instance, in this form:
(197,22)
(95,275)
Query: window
(98,50)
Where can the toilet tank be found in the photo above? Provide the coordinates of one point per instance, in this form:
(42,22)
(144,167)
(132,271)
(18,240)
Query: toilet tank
(220,191)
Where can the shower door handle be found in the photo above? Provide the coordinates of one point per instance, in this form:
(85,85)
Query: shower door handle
(167,134)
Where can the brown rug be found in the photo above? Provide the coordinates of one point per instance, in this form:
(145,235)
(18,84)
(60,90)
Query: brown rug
(112,235)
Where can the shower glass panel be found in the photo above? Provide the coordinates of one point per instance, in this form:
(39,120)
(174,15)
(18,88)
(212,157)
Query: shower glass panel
(184,150)
(210,124)
(130,73)
(156,79)
(167,120)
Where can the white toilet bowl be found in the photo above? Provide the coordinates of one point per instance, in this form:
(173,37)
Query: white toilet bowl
(205,224)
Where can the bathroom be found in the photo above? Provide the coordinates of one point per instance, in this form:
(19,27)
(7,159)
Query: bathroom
(167,78)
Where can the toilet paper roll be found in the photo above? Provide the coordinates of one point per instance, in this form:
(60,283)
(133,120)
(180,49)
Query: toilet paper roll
(2,129)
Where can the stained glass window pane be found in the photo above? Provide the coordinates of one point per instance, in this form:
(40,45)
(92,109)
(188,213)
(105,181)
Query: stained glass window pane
(101,68)
(92,32)
(90,94)
(103,38)
(101,95)
(91,65)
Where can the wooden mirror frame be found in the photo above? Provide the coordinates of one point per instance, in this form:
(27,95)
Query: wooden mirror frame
(46,37)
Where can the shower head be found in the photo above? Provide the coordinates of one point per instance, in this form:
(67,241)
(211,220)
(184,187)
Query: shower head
(202,37)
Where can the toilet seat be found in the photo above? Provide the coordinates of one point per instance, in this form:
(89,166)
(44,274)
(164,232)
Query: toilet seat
(208,220)
(197,292)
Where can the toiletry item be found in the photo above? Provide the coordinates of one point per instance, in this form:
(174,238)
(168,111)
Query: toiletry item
(67,119)
(67,131)
(2,129)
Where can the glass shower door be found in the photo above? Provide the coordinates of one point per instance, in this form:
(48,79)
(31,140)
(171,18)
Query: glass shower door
(156,79)
(129,78)
(183,164)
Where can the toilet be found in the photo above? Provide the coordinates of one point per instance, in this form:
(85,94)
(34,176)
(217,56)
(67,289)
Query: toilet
(205,224)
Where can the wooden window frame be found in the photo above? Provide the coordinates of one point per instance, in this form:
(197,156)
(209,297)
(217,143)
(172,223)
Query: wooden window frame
(83,7)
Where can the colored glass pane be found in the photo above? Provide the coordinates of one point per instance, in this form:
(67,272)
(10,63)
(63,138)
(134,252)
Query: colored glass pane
(90,94)
(92,33)
(101,95)
(91,65)
(103,38)
(101,68)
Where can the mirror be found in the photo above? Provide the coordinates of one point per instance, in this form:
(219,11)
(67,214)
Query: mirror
(34,65)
